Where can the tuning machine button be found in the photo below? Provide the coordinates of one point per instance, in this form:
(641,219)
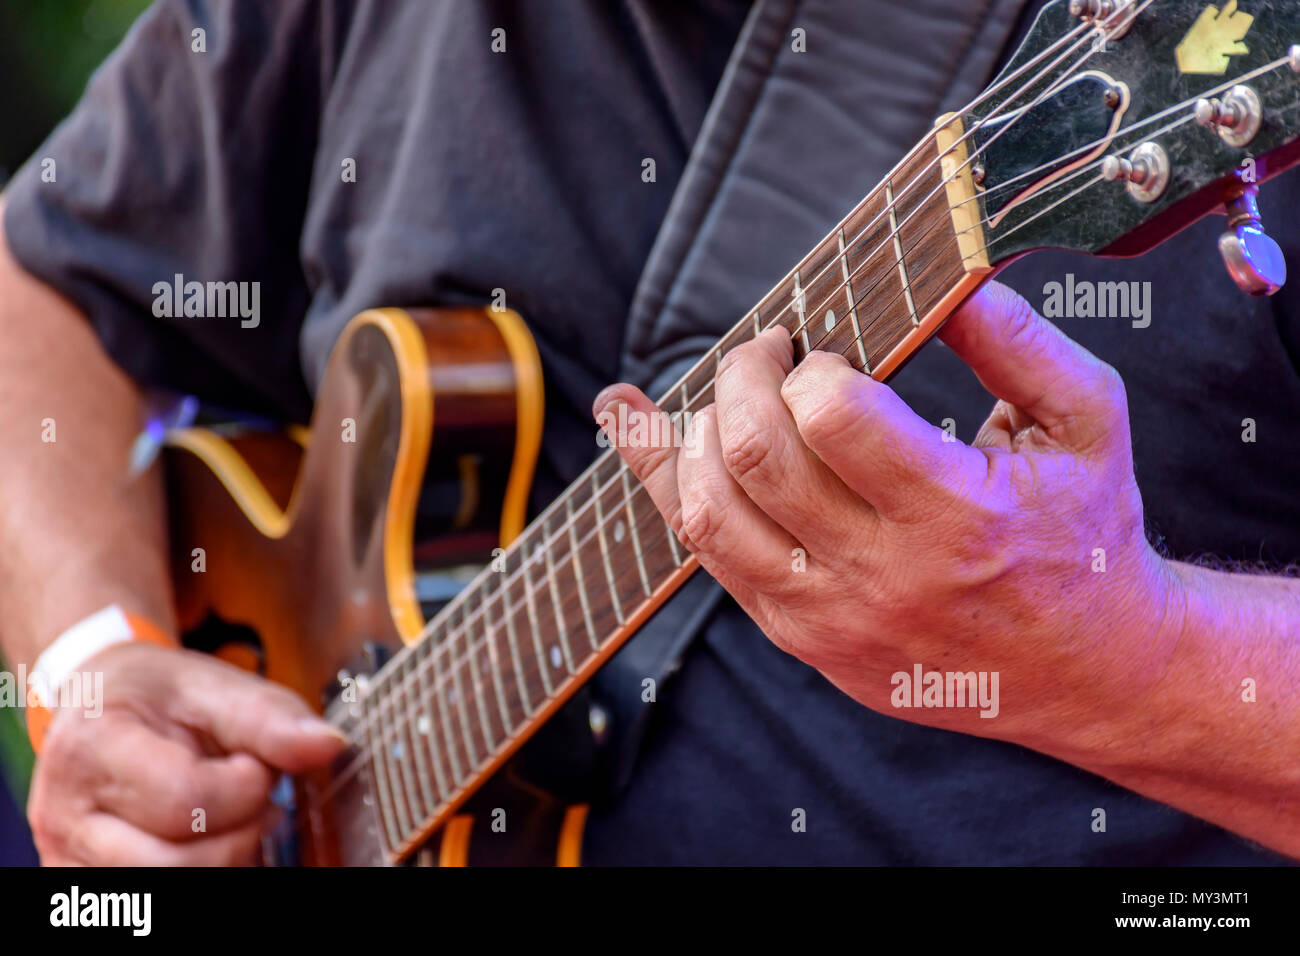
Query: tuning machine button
(1254,260)
(1146,171)
(1237,117)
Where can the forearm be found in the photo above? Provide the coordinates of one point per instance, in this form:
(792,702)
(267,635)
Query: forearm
(75,535)
(1218,733)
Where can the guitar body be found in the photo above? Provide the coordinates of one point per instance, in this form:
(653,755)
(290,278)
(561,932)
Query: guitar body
(426,429)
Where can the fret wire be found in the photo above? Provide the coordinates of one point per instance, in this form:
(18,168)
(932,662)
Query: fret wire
(556,607)
(396,781)
(673,545)
(504,593)
(543,663)
(476,678)
(430,734)
(853,306)
(577,571)
(385,802)
(636,538)
(462,709)
(898,251)
(494,658)
(448,733)
(800,309)
(399,754)
(429,799)
(604,552)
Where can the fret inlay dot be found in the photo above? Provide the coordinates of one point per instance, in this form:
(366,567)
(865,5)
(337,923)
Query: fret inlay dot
(422,725)
(830,319)
(619,531)
(398,751)
(556,659)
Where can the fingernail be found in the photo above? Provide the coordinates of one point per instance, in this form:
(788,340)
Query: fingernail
(321,728)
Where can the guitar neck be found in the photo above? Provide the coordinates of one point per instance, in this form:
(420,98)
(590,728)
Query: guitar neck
(528,631)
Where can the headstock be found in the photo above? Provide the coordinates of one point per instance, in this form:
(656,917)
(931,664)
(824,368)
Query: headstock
(1119,122)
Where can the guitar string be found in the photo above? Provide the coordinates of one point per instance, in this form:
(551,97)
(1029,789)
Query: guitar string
(402,724)
(397,772)
(587,537)
(410,799)
(850,247)
(564,526)
(455,665)
(455,632)
(640,488)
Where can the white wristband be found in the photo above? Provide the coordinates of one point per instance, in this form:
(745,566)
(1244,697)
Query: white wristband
(75,646)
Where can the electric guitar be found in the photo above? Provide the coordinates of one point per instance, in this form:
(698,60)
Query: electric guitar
(1116,124)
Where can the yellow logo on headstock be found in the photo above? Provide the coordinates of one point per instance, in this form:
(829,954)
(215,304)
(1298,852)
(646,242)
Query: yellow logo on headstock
(1215,36)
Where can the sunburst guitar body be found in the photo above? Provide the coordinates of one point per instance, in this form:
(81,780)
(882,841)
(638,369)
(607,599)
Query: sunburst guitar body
(303,554)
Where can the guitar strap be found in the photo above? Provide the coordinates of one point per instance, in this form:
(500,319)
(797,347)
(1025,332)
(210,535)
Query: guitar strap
(819,100)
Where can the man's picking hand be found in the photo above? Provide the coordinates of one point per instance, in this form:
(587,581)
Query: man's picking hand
(179,733)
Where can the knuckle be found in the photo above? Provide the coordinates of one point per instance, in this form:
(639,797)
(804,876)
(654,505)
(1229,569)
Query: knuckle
(1111,385)
(750,453)
(700,522)
(734,356)
(45,824)
(644,462)
(181,797)
(1023,326)
(72,746)
(826,423)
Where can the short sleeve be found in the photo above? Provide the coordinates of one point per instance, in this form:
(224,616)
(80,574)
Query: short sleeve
(188,160)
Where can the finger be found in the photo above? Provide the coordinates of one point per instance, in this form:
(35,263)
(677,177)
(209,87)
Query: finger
(163,787)
(101,839)
(736,541)
(1023,359)
(763,451)
(243,712)
(878,446)
(655,465)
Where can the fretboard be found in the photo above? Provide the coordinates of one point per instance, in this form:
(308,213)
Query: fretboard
(523,636)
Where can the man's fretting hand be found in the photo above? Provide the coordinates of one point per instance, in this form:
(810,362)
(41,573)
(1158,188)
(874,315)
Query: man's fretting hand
(865,541)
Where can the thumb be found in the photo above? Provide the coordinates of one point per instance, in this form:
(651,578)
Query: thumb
(244,713)
(1023,359)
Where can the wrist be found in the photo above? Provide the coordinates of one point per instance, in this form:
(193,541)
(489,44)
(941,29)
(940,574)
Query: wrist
(62,659)
(1135,637)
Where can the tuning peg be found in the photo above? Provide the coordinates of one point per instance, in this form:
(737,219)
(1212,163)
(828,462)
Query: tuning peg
(1147,172)
(1254,260)
(1237,117)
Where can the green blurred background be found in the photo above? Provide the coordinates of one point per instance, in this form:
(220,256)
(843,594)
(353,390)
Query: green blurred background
(48,49)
